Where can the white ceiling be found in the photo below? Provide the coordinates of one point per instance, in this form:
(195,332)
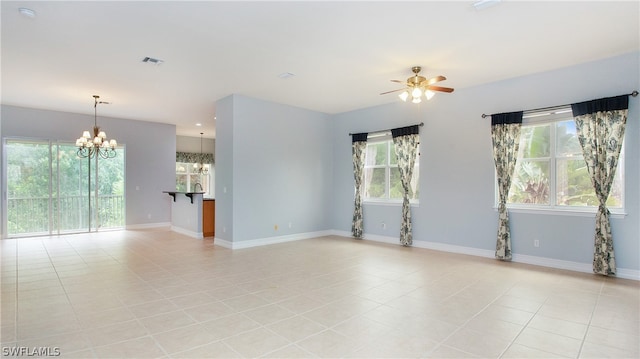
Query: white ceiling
(343,54)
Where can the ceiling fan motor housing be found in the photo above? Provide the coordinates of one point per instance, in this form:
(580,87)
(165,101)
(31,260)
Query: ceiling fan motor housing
(415,80)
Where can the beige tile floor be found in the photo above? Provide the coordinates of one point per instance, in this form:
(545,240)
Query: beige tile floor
(160,294)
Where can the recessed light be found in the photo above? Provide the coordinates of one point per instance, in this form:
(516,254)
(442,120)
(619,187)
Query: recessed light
(198,124)
(27,12)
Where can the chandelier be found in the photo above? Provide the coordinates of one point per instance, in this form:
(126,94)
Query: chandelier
(98,145)
(200,168)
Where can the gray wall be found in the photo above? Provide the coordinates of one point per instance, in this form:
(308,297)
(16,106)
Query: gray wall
(224,169)
(457,173)
(150,168)
(281,164)
(192,144)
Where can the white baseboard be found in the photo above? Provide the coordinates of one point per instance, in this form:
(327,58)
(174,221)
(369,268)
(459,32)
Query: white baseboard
(518,258)
(167,225)
(148,225)
(628,274)
(222,243)
(269,240)
(186,232)
(622,273)
(553,263)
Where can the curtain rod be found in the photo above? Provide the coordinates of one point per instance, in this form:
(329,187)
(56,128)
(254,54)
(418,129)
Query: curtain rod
(634,94)
(369,133)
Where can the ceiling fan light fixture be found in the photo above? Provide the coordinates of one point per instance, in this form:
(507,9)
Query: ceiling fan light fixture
(416,93)
(416,86)
(404,95)
(429,94)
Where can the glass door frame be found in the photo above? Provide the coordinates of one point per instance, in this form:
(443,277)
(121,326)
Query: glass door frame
(54,201)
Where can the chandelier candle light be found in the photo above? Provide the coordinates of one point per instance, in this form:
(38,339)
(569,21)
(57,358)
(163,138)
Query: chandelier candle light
(88,147)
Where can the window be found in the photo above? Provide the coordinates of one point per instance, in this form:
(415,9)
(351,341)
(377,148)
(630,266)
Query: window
(551,173)
(50,190)
(187,177)
(381,174)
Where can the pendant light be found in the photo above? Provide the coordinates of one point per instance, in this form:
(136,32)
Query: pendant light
(200,167)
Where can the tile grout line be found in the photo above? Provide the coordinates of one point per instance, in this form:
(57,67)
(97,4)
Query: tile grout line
(75,314)
(459,327)
(523,328)
(595,306)
(94,347)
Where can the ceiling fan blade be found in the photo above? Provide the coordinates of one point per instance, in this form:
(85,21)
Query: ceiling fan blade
(433,80)
(398,81)
(441,89)
(384,93)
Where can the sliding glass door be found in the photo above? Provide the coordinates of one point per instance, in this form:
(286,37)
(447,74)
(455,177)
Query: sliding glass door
(29,184)
(70,193)
(50,190)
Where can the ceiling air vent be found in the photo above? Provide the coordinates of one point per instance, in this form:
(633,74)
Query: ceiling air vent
(151,60)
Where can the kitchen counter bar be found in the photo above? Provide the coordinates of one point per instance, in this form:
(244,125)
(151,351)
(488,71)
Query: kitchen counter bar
(188,194)
(186,214)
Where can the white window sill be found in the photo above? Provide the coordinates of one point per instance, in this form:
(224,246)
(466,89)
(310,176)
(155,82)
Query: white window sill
(564,212)
(389,203)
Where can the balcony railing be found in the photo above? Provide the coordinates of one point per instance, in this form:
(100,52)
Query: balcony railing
(44,215)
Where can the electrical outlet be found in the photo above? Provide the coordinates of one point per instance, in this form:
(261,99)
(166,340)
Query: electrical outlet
(384,225)
(275,227)
(290,224)
(536,243)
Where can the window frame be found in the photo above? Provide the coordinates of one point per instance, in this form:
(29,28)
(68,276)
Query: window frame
(551,117)
(387,138)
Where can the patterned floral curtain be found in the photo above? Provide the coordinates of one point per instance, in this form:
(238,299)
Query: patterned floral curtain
(406,140)
(358,146)
(189,157)
(600,126)
(505,135)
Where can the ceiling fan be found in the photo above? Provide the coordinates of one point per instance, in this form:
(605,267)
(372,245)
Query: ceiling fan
(417,85)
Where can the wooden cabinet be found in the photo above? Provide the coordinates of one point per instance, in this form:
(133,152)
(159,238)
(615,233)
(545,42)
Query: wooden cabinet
(208,217)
